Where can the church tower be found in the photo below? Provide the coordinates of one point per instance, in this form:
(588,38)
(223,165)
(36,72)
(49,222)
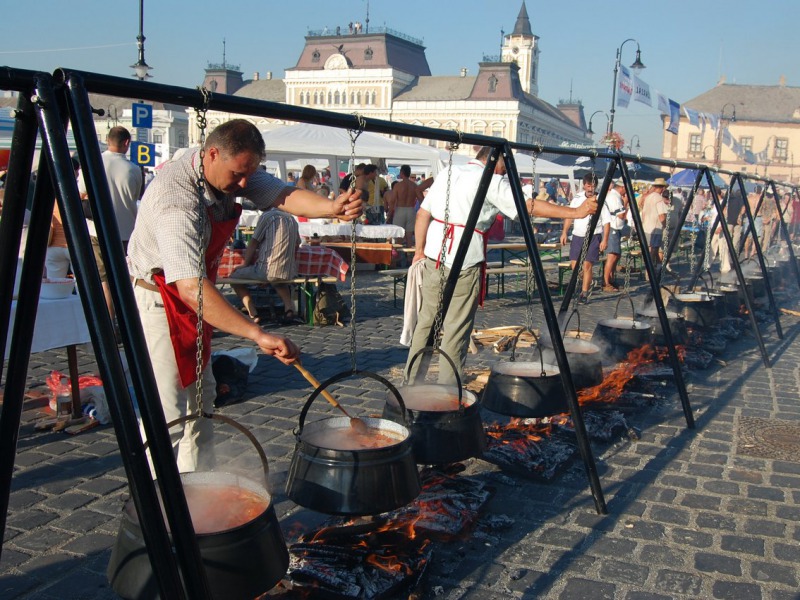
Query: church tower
(520,46)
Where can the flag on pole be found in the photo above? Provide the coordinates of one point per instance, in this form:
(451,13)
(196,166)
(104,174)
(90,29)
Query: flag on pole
(663,103)
(692,115)
(624,87)
(674,117)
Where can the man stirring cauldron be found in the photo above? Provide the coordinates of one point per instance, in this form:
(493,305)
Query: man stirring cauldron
(163,260)
(429,232)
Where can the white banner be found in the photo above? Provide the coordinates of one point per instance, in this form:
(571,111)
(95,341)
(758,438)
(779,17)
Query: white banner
(641,91)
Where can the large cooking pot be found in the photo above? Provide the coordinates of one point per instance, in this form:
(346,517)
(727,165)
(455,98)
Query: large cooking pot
(697,308)
(618,336)
(444,420)
(525,389)
(337,471)
(238,533)
(584,357)
(677,325)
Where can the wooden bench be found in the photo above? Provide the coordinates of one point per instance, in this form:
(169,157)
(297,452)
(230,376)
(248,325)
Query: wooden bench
(305,290)
(492,269)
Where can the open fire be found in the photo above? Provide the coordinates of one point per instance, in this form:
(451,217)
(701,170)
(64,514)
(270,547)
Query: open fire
(370,558)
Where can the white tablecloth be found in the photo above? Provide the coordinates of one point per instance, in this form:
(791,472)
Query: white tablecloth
(344,229)
(59,323)
(249,218)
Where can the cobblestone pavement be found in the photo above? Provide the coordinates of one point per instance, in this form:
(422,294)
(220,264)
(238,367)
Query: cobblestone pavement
(691,513)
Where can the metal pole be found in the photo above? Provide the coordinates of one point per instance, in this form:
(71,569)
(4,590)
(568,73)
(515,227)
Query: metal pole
(657,299)
(120,404)
(614,90)
(740,275)
(555,334)
(675,239)
(786,237)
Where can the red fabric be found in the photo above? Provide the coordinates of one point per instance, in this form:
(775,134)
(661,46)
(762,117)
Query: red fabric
(181,318)
(320,261)
(497,232)
(448,235)
(232,258)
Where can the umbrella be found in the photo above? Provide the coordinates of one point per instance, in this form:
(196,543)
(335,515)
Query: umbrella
(687,177)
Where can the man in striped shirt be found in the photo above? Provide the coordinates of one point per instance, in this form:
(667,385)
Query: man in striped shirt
(175,229)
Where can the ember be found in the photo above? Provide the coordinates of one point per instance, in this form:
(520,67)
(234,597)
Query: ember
(377,558)
(526,446)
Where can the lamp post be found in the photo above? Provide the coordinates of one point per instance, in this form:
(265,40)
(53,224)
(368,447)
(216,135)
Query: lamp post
(589,130)
(630,145)
(637,66)
(141,68)
(723,120)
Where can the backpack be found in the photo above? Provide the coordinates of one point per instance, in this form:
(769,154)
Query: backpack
(329,306)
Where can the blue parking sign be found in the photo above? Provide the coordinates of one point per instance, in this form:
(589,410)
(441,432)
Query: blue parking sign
(143,155)
(142,115)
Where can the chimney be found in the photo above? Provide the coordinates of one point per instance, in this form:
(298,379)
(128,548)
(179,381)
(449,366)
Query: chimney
(269,74)
(255,76)
(463,71)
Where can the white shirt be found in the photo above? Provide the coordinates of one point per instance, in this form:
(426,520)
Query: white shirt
(615,205)
(579,226)
(463,185)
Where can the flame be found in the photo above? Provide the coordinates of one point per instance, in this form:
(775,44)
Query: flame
(525,433)
(612,386)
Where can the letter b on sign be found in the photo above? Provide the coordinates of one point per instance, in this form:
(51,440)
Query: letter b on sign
(143,155)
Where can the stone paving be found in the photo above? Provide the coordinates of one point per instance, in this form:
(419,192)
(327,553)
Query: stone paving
(691,513)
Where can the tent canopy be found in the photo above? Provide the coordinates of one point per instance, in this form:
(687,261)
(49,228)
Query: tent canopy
(687,177)
(318,141)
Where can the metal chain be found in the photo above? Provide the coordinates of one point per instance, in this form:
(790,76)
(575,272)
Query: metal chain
(693,234)
(354,133)
(707,255)
(529,280)
(202,123)
(438,320)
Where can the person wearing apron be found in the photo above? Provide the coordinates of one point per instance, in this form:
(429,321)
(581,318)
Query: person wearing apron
(172,229)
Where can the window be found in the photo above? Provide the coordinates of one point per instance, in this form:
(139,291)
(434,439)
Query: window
(781,150)
(492,84)
(330,98)
(336,98)
(157,138)
(315,56)
(747,144)
(695,145)
(182,140)
(368,53)
(358,98)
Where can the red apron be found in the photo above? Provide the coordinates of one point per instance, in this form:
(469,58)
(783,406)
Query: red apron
(448,235)
(181,318)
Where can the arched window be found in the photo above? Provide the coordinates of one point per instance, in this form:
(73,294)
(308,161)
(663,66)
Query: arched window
(374,98)
(336,99)
(330,98)
(358,98)
(315,56)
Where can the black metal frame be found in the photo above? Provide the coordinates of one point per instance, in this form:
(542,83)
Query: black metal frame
(68,89)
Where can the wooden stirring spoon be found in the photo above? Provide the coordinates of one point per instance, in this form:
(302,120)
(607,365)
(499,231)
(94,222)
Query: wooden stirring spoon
(358,424)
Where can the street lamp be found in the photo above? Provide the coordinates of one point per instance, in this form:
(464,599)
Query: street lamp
(141,68)
(723,125)
(637,66)
(590,131)
(630,145)
(767,161)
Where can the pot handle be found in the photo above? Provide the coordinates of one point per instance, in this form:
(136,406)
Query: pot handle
(443,354)
(670,292)
(344,375)
(566,325)
(633,310)
(228,421)
(702,278)
(538,347)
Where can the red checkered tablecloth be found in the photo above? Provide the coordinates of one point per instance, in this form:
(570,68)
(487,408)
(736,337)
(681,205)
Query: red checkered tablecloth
(320,261)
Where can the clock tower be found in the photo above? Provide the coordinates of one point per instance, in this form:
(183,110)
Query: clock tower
(520,47)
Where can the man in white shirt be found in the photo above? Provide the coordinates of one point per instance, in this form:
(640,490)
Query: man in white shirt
(617,205)
(599,238)
(430,233)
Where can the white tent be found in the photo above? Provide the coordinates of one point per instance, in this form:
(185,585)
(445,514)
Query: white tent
(318,141)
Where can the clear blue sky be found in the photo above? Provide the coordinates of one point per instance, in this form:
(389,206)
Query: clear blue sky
(687,45)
